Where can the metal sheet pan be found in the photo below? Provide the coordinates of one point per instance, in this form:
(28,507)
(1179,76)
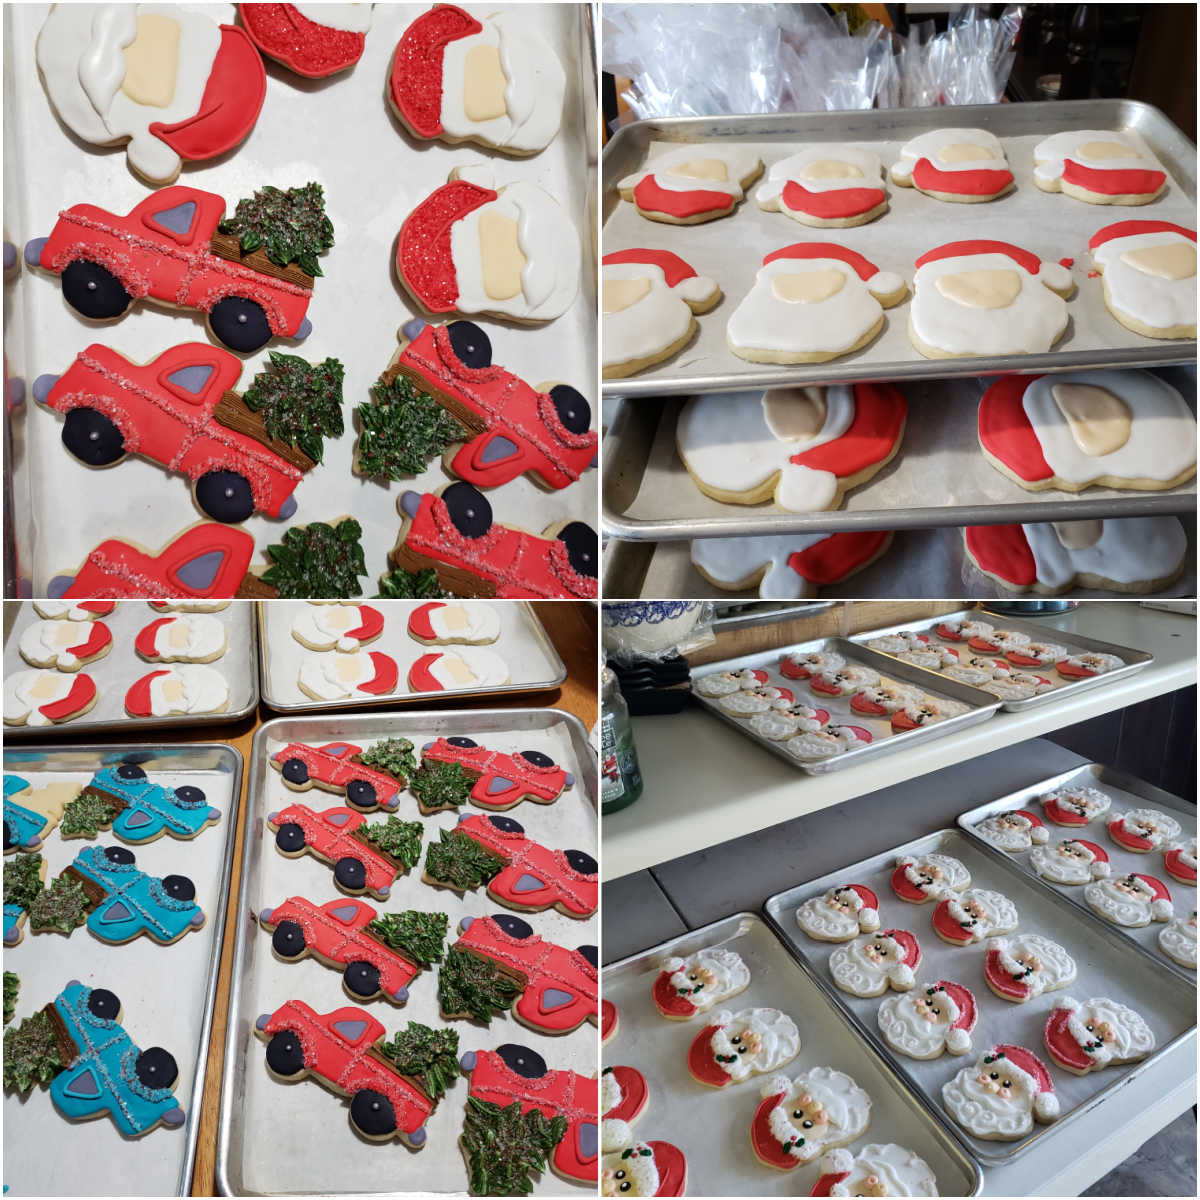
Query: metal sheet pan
(712,1128)
(121,667)
(648,494)
(373,174)
(1127,791)
(980,704)
(1101,956)
(1045,629)
(313,1149)
(168,992)
(1053,226)
(534,663)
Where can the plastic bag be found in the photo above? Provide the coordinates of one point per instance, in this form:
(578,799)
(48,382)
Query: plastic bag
(636,630)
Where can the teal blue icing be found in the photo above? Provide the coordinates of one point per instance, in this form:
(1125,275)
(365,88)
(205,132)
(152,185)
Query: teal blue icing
(146,906)
(24,825)
(153,809)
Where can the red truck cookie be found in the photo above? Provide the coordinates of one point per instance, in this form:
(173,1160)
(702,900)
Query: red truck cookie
(332,768)
(502,780)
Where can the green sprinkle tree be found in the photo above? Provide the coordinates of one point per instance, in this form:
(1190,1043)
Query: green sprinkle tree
(419,936)
(300,402)
(22,880)
(61,908)
(399,584)
(403,429)
(12,986)
(504,1146)
(427,1055)
(31,1053)
(439,786)
(460,862)
(87,815)
(392,756)
(400,840)
(289,226)
(317,560)
(474,987)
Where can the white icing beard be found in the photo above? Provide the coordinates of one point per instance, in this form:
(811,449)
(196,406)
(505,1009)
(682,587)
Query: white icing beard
(779,1037)
(482,623)
(824,743)
(1178,940)
(205,637)
(1051,154)
(610,1092)
(1149,299)
(778,726)
(204,690)
(1057,968)
(614,1135)
(723,683)
(486,668)
(1004,836)
(1121,907)
(1094,802)
(1129,550)
(533,97)
(854,972)
(792,168)
(900,1171)
(658,320)
(847,1109)
(732,559)
(19,698)
(1029,324)
(320,674)
(349,18)
(1132,1037)
(739,162)
(904,1027)
(954,876)
(815,916)
(929,145)
(1155,826)
(1060,868)
(762,321)
(47,642)
(999,914)
(983,1112)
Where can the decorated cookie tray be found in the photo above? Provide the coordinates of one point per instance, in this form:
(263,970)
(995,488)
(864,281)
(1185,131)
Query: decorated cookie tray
(118,670)
(648,493)
(1101,955)
(311,1147)
(1127,792)
(522,644)
(1056,630)
(712,1127)
(730,250)
(373,175)
(167,992)
(980,706)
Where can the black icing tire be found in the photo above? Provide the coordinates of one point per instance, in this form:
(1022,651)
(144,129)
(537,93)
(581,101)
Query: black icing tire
(132,771)
(469,510)
(119,855)
(290,838)
(94,291)
(284,1054)
(179,887)
(529,1064)
(156,1068)
(470,344)
(362,980)
(591,954)
(581,861)
(189,795)
(9,840)
(371,1113)
(92,438)
(350,874)
(513,926)
(360,794)
(294,772)
(288,940)
(537,758)
(104,1004)
(225,496)
(240,324)
(582,547)
(573,410)
(506,825)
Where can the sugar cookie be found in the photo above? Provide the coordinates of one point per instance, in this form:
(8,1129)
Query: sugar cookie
(827,186)
(1149,276)
(870,965)
(929,1020)
(1098,167)
(734,1046)
(1002,1094)
(692,183)
(1071,861)
(65,645)
(964,166)
(1021,966)
(801,1118)
(1090,1036)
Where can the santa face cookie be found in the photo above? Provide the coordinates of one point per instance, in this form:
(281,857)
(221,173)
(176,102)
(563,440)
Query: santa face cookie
(1001,1096)
(64,645)
(876,1170)
(344,627)
(1180,862)
(1075,805)
(825,186)
(802,447)
(1013,831)
(845,681)
(900,642)
(725,683)
(998,641)
(1017,685)
(962,631)
(734,1046)
(1120,429)
(649,300)
(1143,830)
(1070,861)
(692,184)
(1082,666)
(977,670)
(829,742)
(623,1098)
(314,40)
(1149,276)
(801,1118)
(439,624)
(1023,965)
(1131,900)
(922,710)
(1098,167)
(196,638)
(929,877)
(964,166)
(454,669)
(41,698)
(987,297)
(686,986)
(145,76)
(1087,1037)
(610,1021)
(811,302)
(974,915)
(1178,940)
(511,253)
(750,702)
(644,1169)
(786,566)
(186,688)
(929,1020)
(841,914)
(884,698)
(340,676)
(805,664)
(66,610)
(777,725)
(868,966)
(497,82)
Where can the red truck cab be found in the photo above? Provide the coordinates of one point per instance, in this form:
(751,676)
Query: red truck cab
(356,866)
(331,766)
(502,780)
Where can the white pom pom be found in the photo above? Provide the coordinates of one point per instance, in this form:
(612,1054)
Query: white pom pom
(901,977)
(958,1041)
(836,1162)
(671,964)
(1162,910)
(1101,870)
(776,1085)
(1045,1107)
(905,860)
(1039,835)
(868,919)
(721,1017)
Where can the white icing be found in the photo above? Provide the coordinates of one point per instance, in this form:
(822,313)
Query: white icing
(891,697)
(723,683)
(1095,662)
(1044,653)
(1178,940)
(777,725)
(1017,685)
(931,658)
(1067,861)
(324,626)
(349,18)
(1126,1039)
(900,642)
(729,975)
(482,622)
(980,1109)
(659,319)
(1085,801)
(336,676)
(778,1041)
(836,915)
(901,1172)
(638,1170)
(823,743)
(815,662)
(47,643)
(1056,967)
(204,690)
(1010,831)
(20,699)
(62,610)
(1147,299)
(931,144)
(846,1106)
(64,37)
(1186,853)
(739,161)
(198,606)
(870,965)
(203,638)
(615,1134)
(732,559)
(1156,827)
(611,1093)
(758,700)
(1050,154)
(977,670)
(486,668)
(993,912)
(1127,900)
(794,166)
(945,874)
(846,679)
(904,1022)
(965,629)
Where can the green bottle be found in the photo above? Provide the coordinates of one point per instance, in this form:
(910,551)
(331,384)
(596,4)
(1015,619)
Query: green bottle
(620,775)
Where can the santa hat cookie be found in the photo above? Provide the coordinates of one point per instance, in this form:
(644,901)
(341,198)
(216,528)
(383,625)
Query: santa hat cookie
(1121,429)
(496,81)
(801,447)
(193,637)
(734,1046)
(623,1098)
(345,627)
(868,966)
(692,184)
(930,1019)
(438,623)
(1143,830)
(452,670)
(1072,860)
(840,914)
(64,645)
(928,877)
(510,252)
(1180,862)
(812,301)
(960,165)
(1024,965)
(892,1168)
(1001,1096)
(187,688)
(1075,805)
(649,299)
(801,1118)
(686,986)
(1089,1036)
(314,40)
(973,915)
(610,1021)
(644,1169)
(1099,167)
(341,676)
(786,566)
(1013,831)
(1149,270)
(40,698)
(985,297)
(170,84)
(1125,554)
(825,186)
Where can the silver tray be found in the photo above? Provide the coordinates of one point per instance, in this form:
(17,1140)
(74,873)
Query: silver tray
(647,492)
(1127,792)
(1101,957)
(712,1129)
(121,667)
(168,992)
(980,704)
(523,643)
(1046,629)
(1053,226)
(313,1149)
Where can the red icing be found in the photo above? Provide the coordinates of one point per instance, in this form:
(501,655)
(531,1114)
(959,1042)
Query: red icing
(1032,818)
(333,764)
(1006,432)
(525,778)
(765,1144)
(137,699)
(1064,816)
(233,98)
(1177,868)
(1000,980)
(82,693)
(674,269)
(668,1001)
(860,704)
(1003,551)
(608,1019)
(1028,1062)
(1061,1043)
(834,557)
(420,678)
(282,32)
(831,205)
(1123,229)
(98,608)
(671,1165)
(418,620)
(701,1062)
(861,266)
(908,943)
(964,1000)
(1023,258)
(634,1093)
(1066,262)
(1113,183)
(423,255)
(650,197)
(1074,670)
(791,670)
(1131,841)
(947,927)
(145,642)
(906,889)
(826,1183)
(386,675)
(980,182)
(98,637)
(901,722)
(879,415)
(328,835)
(370,624)
(416,76)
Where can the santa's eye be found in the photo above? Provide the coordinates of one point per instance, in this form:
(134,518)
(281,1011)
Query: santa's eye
(937,1012)
(620,1174)
(692,976)
(1091,1028)
(1007,1083)
(737,1041)
(625,1187)
(807,1125)
(993,1075)
(797,1113)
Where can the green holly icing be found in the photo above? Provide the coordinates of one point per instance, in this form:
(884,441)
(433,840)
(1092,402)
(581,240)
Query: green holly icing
(504,1146)
(402,430)
(475,987)
(399,584)
(12,986)
(460,861)
(87,815)
(22,879)
(289,226)
(398,839)
(427,1055)
(61,908)
(392,756)
(301,402)
(419,936)
(441,785)
(317,561)
(31,1053)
